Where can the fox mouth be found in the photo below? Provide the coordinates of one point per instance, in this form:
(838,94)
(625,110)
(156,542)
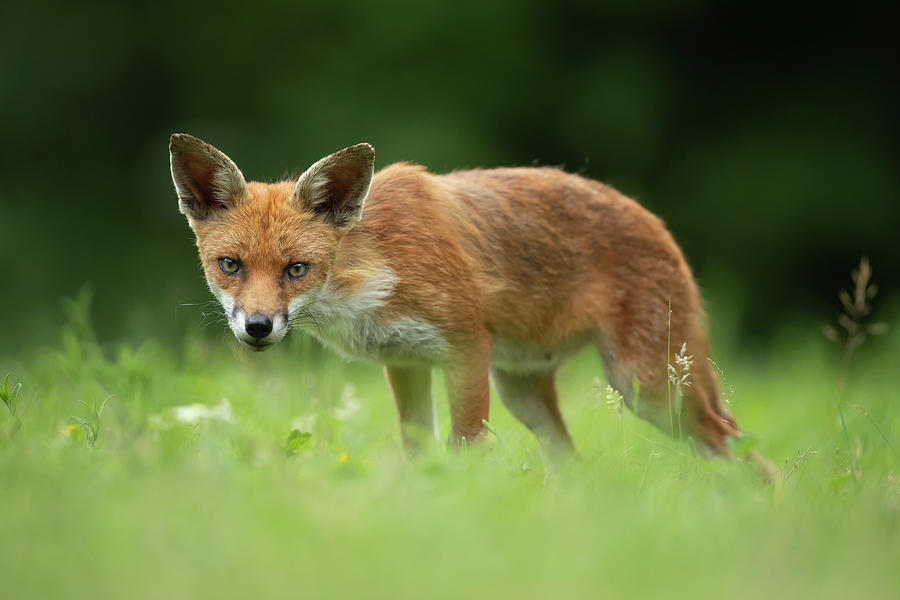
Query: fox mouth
(258,346)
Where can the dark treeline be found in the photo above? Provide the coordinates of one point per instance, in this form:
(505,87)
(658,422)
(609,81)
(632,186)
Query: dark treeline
(766,136)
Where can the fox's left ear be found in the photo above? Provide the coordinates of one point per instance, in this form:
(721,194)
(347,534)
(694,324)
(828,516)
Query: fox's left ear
(335,188)
(205,179)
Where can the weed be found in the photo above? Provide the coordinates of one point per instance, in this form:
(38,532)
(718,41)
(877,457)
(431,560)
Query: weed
(679,377)
(11,399)
(297,440)
(613,399)
(857,308)
(90,426)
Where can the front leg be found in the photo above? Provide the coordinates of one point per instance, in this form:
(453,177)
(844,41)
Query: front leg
(468,389)
(415,405)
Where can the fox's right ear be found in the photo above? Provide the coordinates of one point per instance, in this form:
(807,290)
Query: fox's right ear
(205,179)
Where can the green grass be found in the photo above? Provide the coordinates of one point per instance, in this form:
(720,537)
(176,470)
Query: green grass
(127,502)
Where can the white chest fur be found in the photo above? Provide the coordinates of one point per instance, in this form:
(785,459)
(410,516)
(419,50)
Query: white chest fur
(350,323)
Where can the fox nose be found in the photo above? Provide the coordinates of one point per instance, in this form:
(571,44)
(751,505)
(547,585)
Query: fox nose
(258,325)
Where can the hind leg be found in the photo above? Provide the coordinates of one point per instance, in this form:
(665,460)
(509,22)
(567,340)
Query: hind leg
(702,415)
(532,399)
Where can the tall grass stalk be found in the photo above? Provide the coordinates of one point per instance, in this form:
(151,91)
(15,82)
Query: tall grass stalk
(669,366)
(857,307)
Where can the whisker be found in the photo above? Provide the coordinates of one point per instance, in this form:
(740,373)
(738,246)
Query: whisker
(309,315)
(302,315)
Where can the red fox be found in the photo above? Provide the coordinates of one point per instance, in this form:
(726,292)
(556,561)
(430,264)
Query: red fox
(494,274)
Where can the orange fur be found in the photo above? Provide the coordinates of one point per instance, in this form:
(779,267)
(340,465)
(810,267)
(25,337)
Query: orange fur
(502,271)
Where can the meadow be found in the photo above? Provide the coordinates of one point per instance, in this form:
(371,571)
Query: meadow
(199,470)
(144,455)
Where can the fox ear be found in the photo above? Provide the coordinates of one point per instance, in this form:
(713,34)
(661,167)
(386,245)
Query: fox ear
(336,187)
(205,179)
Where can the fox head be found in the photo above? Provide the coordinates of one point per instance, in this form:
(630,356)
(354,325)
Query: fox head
(263,246)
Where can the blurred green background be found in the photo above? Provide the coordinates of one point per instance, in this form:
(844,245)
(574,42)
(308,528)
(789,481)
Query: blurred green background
(767,136)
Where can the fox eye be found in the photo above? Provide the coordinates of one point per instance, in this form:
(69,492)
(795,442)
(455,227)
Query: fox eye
(297,270)
(229,266)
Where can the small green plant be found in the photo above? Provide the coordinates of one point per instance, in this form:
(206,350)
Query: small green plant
(297,440)
(11,400)
(90,426)
(857,308)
